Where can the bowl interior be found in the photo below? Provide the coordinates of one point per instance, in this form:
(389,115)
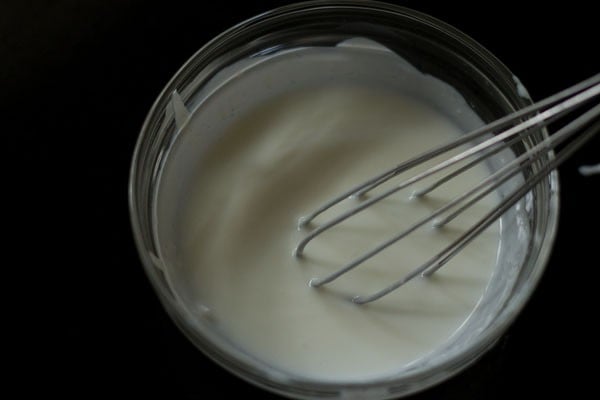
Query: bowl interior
(160,173)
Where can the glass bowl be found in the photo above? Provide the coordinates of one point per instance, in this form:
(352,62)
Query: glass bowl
(432,47)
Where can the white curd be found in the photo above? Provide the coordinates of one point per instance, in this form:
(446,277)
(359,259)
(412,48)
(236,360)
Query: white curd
(288,133)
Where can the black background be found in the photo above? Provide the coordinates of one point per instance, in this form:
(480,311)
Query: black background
(78,78)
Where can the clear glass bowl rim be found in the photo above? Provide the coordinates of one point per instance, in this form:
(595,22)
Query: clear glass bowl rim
(298,388)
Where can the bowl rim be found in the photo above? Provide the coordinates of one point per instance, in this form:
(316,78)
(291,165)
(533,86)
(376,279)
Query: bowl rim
(175,309)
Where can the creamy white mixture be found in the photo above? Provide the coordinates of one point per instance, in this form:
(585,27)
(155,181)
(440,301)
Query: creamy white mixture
(274,161)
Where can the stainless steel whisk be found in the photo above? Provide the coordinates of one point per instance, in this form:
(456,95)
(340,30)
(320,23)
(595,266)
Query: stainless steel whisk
(508,131)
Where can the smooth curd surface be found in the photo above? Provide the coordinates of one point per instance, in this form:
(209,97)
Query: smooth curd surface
(277,162)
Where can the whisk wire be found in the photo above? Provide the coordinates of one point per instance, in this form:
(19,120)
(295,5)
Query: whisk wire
(500,123)
(440,259)
(515,129)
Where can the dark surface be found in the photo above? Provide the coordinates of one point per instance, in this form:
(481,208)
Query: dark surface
(78,78)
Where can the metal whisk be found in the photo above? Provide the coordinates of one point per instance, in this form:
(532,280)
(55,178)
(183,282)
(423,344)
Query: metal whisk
(507,131)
